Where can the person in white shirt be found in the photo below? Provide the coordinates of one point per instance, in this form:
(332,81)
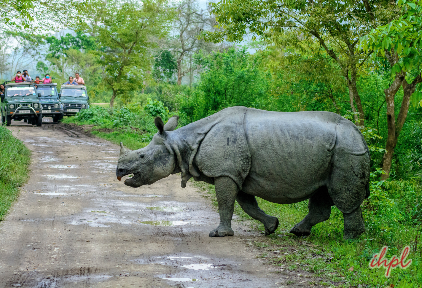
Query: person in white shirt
(26,76)
(79,80)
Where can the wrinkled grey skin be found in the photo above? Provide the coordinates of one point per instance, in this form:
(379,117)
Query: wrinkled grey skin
(281,157)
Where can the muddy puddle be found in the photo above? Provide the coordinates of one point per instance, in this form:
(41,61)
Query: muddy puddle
(63,166)
(47,158)
(204,271)
(162,213)
(165,223)
(59,279)
(61,176)
(165,209)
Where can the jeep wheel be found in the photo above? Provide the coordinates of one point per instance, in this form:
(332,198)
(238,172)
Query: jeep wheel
(39,120)
(8,120)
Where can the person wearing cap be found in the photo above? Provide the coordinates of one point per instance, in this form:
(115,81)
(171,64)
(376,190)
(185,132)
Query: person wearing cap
(26,76)
(18,77)
(79,80)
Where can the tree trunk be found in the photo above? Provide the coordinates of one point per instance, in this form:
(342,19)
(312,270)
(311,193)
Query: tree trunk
(390,93)
(112,98)
(394,127)
(354,97)
(351,100)
(179,71)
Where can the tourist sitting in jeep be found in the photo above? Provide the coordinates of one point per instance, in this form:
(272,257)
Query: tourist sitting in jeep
(71,81)
(18,78)
(46,79)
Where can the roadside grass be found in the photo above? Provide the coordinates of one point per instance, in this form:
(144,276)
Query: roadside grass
(104,105)
(345,263)
(393,218)
(14,162)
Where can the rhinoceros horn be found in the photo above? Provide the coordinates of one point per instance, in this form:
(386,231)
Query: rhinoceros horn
(123,149)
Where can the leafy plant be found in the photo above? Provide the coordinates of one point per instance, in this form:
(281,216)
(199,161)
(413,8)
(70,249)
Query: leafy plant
(156,108)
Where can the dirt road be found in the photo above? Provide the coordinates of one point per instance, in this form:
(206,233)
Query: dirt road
(75,225)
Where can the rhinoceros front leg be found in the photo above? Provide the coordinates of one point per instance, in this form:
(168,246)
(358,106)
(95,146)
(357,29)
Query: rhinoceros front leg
(250,206)
(226,191)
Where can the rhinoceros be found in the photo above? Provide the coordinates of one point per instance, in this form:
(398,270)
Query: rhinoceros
(282,157)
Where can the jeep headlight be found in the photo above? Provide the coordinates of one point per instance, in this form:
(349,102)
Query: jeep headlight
(35,105)
(11,106)
(83,105)
(56,105)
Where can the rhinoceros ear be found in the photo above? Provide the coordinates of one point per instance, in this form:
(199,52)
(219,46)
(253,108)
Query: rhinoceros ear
(123,149)
(159,124)
(171,124)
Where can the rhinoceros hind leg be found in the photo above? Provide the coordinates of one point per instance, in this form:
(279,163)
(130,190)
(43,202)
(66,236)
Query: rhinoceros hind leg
(226,191)
(319,210)
(250,206)
(353,224)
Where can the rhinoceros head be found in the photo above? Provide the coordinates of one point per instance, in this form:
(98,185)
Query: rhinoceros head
(151,163)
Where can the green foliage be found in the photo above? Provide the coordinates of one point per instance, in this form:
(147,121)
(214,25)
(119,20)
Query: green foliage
(164,66)
(39,16)
(42,68)
(401,36)
(14,161)
(231,78)
(156,108)
(130,122)
(59,46)
(408,157)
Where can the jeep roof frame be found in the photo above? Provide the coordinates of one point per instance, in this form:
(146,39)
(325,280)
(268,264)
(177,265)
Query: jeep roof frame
(70,86)
(47,84)
(19,84)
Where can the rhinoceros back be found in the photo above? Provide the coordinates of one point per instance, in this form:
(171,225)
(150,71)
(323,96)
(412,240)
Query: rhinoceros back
(291,152)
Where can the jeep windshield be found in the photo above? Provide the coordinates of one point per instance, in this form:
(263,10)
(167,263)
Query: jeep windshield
(73,93)
(20,91)
(47,91)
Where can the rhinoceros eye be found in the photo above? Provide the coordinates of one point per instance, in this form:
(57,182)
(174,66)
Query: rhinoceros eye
(142,156)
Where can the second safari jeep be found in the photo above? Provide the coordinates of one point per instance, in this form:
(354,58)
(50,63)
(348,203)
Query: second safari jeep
(74,98)
(49,99)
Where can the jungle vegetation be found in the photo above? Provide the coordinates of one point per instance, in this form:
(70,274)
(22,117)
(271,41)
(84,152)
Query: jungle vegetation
(360,59)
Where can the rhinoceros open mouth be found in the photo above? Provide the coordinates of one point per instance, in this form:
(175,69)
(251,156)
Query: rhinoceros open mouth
(134,181)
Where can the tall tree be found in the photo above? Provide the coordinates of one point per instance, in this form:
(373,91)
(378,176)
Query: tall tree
(124,33)
(400,42)
(188,26)
(335,26)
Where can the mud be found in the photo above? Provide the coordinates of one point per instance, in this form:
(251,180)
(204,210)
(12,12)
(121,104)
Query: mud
(75,225)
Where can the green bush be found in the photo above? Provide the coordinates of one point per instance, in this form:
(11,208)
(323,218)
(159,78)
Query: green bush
(156,108)
(231,78)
